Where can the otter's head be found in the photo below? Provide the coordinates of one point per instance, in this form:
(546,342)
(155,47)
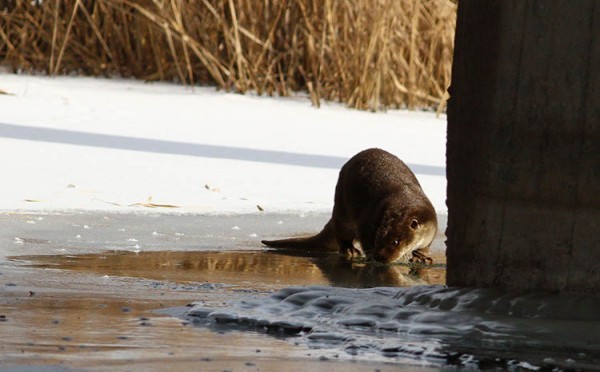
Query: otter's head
(400,233)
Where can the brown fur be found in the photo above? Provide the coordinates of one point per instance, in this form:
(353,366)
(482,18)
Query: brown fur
(379,203)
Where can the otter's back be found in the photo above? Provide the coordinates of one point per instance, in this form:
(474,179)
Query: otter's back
(374,173)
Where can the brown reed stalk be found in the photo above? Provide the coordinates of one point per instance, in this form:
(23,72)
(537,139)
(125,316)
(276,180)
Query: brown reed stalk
(51,68)
(369,54)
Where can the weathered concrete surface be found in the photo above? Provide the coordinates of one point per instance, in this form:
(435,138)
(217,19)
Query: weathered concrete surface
(524,146)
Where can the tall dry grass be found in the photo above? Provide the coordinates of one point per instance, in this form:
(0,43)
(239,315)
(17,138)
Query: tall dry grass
(370,54)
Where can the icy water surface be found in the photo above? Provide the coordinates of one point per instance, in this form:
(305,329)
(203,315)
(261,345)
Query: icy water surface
(111,289)
(89,290)
(444,326)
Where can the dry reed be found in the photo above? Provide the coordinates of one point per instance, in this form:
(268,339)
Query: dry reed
(369,54)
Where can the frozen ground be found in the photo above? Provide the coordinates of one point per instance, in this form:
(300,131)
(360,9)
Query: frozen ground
(119,145)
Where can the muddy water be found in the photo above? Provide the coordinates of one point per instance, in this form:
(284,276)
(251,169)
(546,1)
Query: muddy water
(92,291)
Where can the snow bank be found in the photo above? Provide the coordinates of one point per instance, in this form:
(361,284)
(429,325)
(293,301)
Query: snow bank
(119,145)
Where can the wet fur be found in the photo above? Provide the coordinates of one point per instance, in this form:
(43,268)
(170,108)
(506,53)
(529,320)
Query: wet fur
(377,201)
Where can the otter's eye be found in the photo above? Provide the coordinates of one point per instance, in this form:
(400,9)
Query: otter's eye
(414,224)
(396,242)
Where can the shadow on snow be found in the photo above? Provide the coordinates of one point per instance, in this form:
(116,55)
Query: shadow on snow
(185,148)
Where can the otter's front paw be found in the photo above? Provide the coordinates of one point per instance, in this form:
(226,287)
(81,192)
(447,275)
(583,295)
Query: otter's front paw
(420,257)
(351,249)
(351,253)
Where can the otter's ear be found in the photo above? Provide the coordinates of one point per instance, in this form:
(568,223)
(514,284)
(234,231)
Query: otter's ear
(414,224)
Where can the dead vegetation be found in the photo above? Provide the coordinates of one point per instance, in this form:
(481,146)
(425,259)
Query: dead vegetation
(369,54)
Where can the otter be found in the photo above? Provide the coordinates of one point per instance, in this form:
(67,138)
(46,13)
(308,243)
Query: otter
(379,211)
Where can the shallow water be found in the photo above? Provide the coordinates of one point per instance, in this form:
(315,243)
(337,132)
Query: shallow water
(77,322)
(99,290)
(327,304)
(264,270)
(85,290)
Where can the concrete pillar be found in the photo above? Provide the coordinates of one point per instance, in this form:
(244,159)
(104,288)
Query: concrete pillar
(523,154)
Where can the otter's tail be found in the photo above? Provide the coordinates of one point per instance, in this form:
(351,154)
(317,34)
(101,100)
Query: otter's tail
(323,241)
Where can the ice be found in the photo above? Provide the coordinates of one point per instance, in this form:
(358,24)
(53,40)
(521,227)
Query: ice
(430,322)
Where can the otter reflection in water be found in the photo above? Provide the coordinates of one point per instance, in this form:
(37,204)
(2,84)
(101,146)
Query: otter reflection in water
(340,271)
(248,268)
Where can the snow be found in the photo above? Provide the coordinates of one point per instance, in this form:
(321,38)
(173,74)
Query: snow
(122,145)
